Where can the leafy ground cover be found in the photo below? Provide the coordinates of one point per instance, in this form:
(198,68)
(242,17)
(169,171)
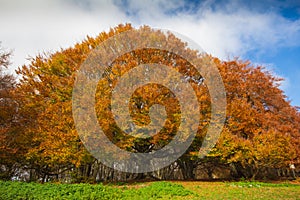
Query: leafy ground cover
(156,190)
(151,190)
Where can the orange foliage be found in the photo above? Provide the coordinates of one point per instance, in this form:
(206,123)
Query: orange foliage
(261,129)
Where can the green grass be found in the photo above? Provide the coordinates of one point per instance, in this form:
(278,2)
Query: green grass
(151,190)
(244,190)
(156,190)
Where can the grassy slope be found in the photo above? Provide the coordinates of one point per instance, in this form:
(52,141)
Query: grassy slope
(243,190)
(155,190)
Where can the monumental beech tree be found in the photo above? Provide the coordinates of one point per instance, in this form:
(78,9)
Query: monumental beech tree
(261,131)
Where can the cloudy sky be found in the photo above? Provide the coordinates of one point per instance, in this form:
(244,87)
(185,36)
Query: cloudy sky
(264,32)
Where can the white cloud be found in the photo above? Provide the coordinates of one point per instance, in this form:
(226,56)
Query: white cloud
(34,26)
(229,31)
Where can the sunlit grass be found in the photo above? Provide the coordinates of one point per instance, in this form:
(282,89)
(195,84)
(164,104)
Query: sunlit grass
(151,190)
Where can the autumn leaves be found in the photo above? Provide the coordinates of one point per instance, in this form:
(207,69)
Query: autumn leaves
(261,128)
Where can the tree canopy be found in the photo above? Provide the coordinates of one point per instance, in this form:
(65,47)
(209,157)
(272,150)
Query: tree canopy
(262,129)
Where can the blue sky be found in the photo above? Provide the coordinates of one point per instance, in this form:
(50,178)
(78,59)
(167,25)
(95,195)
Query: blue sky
(264,32)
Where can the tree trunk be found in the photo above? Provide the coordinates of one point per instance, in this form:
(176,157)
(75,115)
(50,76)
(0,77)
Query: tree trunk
(187,168)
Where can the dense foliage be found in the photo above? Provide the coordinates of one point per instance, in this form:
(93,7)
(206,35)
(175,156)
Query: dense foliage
(39,140)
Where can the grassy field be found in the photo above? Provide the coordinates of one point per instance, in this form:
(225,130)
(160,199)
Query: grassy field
(151,190)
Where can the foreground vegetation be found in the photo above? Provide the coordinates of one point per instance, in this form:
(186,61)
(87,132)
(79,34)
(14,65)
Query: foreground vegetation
(165,190)
(151,190)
